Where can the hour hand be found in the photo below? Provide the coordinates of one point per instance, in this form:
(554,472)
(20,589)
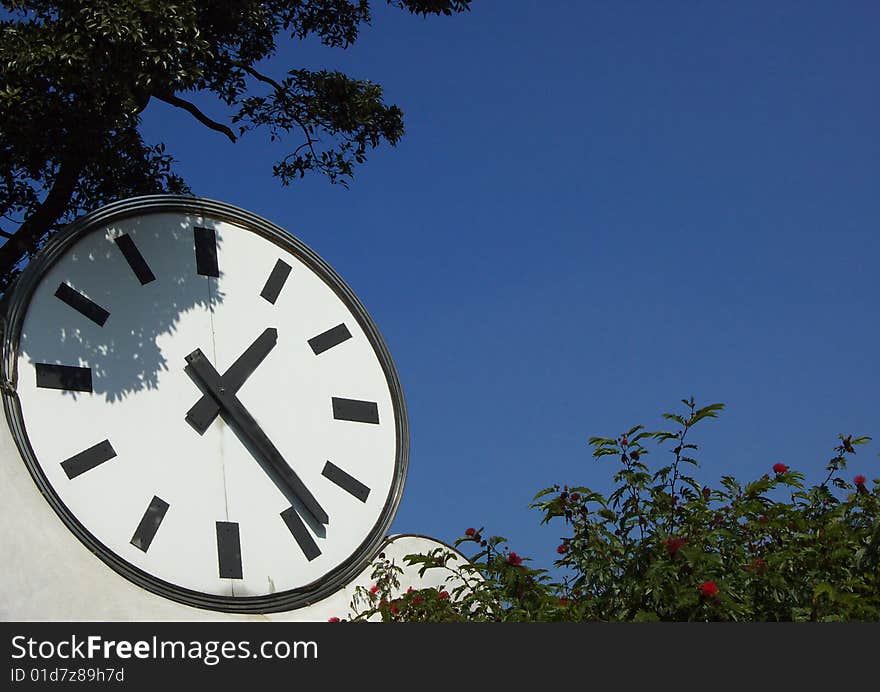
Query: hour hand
(206,409)
(252,435)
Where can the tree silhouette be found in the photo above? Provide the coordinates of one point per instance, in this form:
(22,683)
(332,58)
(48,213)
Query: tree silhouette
(76,76)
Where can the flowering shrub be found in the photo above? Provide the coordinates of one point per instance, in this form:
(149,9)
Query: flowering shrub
(384,601)
(662,546)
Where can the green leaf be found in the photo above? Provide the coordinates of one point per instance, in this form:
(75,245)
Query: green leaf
(545,491)
(663,436)
(710,411)
(824,589)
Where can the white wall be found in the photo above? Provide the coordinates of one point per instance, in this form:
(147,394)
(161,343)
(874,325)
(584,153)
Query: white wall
(46,574)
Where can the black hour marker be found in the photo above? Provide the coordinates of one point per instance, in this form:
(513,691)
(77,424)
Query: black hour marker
(146,530)
(67,377)
(135,259)
(348,483)
(82,305)
(206,251)
(329,339)
(89,459)
(229,550)
(275,282)
(355,410)
(300,533)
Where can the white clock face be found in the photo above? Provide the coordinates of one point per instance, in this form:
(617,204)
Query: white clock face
(210,406)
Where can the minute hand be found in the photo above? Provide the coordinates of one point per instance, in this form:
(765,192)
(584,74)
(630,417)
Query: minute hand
(253,434)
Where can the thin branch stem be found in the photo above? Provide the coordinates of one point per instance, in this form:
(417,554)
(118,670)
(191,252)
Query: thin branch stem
(193,110)
(310,141)
(257,75)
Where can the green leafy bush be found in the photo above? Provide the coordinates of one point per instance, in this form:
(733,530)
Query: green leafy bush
(663,547)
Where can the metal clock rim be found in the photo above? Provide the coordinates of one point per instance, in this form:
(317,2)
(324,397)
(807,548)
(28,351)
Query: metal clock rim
(18,302)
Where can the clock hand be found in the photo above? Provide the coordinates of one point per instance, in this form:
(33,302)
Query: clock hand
(206,409)
(235,413)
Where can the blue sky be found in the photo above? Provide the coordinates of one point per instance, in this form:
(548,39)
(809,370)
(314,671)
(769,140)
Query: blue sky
(599,209)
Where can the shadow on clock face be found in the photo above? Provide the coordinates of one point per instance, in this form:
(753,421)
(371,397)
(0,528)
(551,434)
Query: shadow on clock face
(125,304)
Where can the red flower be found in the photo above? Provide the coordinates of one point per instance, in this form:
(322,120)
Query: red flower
(470,532)
(575,496)
(417,599)
(762,519)
(409,590)
(758,564)
(514,559)
(333,620)
(443,595)
(374,588)
(708,589)
(394,609)
(673,544)
(563,602)
(562,549)
(624,442)
(779,467)
(706,493)
(859,480)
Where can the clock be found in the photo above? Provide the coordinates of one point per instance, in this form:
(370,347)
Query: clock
(205,404)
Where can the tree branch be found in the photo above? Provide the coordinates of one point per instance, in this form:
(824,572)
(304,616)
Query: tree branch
(40,222)
(173,100)
(310,141)
(257,75)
